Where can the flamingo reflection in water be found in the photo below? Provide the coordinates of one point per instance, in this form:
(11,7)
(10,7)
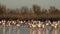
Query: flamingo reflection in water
(11,27)
(48,27)
(3,25)
(58,27)
(32,27)
(16,26)
(39,28)
(1,28)
(36,27)
(55,27)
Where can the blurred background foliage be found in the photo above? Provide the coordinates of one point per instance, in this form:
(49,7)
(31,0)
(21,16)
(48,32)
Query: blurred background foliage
(29,13)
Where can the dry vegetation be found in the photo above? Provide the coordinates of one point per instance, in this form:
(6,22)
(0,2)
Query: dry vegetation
(29,13)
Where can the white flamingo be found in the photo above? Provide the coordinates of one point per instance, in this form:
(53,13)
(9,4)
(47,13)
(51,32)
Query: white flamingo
(55,24)
(3,24)
(32,26)
(39,27)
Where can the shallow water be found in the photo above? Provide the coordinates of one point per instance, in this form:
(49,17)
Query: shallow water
(26,30)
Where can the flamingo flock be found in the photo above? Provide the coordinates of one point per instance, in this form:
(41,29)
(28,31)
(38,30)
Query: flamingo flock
(35,27)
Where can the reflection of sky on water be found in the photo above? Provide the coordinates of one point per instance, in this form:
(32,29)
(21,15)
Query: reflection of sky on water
(1,30)
(25,30)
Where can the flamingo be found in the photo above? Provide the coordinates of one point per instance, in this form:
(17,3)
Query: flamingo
(55,24)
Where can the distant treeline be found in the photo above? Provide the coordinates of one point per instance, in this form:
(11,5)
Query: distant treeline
(29,13)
